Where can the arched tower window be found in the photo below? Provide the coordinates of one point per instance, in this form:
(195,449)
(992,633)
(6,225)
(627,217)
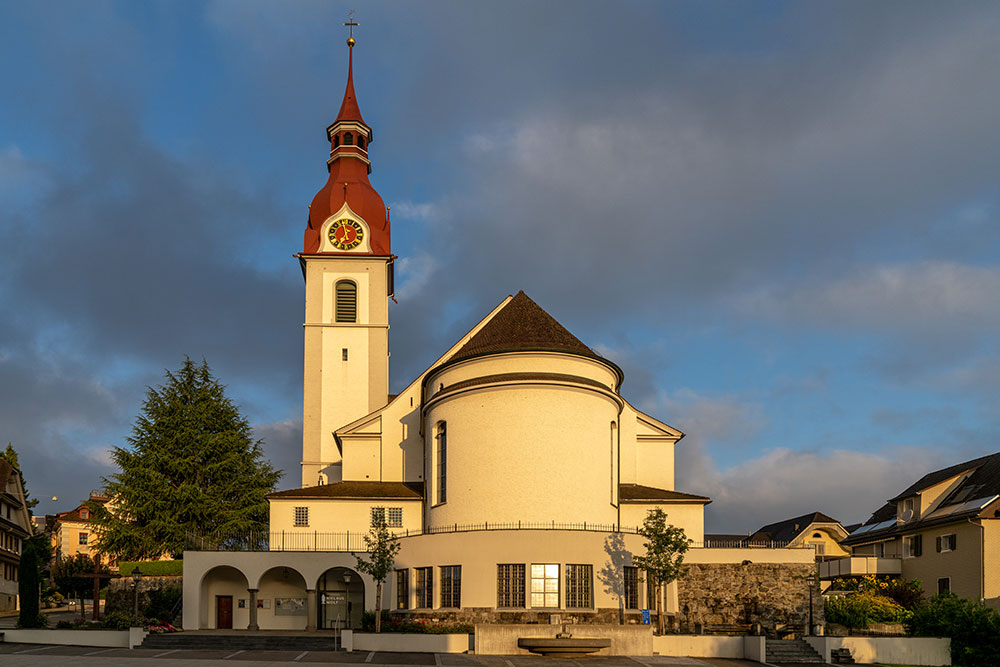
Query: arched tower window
(346,302)
(348,139)
(336,141)
(361,142)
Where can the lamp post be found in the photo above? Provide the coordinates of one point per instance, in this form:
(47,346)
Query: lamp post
(811,582)
(136,576)
(347,595)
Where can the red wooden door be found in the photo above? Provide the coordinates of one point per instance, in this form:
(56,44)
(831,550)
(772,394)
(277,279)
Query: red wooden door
(224,612)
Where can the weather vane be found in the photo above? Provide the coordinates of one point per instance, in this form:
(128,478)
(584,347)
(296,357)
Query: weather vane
(351,24)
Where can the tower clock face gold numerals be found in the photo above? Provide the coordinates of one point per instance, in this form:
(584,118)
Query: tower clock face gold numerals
(346,234)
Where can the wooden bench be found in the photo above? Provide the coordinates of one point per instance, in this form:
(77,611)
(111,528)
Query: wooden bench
(728,628)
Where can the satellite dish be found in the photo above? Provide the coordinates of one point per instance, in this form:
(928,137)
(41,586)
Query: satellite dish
(906,515)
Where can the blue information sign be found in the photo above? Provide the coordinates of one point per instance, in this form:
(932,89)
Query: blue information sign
(645,617)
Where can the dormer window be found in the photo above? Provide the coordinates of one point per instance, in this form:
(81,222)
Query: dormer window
(84,514)
(906,509)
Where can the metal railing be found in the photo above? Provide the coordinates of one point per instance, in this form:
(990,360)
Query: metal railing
(353,541)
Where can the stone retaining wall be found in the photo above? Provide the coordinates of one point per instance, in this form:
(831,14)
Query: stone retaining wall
(120,595)
(771,594)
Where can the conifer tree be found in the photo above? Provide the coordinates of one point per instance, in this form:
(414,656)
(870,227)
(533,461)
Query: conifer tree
(191,467)
(28,588)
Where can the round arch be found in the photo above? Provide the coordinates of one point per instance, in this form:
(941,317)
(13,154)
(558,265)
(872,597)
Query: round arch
(220,592)
(340,594)
(281,599)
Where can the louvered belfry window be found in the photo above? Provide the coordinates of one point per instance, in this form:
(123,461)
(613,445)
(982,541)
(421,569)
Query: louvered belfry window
(347,301)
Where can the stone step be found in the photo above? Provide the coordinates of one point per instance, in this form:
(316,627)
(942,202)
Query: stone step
(791,651)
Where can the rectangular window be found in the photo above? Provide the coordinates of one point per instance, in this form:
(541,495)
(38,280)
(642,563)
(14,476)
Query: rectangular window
(83,538)
(912,546)
(402,589)
(878,550)
(394,517)
(944,585)
(946,543)
(631,597)
(301,516)
(441,460)
(451,586)
(579,580)
(425,587)
(510,585)
(343,353)
(545,585)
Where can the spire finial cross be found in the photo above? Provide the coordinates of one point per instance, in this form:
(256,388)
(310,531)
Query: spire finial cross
(351,23)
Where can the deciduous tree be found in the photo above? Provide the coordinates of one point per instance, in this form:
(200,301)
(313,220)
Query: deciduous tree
(382,547)
(191,466)
(664,559)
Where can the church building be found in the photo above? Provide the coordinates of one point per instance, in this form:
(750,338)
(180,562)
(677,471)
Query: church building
(513,470)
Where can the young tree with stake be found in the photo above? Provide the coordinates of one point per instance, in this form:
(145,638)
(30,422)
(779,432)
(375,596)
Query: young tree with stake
(382,547)
(664,559)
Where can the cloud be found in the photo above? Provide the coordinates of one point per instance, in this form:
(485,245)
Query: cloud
(783,483)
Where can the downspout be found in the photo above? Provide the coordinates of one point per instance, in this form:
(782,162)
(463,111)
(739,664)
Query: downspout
(618,481)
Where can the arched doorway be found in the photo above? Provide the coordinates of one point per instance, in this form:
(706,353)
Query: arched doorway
(281,600)
(223,599)
(340,595)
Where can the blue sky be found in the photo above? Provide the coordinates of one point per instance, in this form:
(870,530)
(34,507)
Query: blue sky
(779,218)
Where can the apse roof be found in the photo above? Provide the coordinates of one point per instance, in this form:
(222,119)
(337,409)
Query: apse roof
(522,325)
(640,493)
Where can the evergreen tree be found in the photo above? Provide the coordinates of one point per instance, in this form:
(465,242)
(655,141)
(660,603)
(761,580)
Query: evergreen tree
(382,547)
(191,466)
(664,560)
(28,587)
(10,454)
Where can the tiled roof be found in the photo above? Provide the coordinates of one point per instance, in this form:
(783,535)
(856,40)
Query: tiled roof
(787,530)
(394,490)
(640,493)
(522,325)
(988,474)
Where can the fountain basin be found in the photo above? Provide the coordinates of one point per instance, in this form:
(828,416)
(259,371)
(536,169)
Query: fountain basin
(563,647)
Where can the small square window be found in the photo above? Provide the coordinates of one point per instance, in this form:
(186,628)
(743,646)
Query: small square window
(84,537)
(343,353)
(944,585)
(301,516)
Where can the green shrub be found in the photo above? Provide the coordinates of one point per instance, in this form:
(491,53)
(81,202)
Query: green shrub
(403,623)
(152,568)
(120,620)
(161,603)
(974,628)
(859,610)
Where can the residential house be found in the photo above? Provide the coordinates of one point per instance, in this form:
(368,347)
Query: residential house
(15,527)
(943,530)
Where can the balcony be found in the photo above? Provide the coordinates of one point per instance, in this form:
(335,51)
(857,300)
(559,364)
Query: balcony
(859,566)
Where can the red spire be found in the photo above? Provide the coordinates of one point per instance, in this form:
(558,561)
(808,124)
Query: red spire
(348,183)
(349,108)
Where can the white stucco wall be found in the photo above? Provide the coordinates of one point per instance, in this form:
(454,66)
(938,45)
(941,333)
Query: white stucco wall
(334,515)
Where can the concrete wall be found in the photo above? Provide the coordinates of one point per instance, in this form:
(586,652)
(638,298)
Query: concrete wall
(100,638)
(698,646)
(890,650)
(625,639)
(405,642)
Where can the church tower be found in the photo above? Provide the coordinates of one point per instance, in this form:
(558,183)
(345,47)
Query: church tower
(347,265)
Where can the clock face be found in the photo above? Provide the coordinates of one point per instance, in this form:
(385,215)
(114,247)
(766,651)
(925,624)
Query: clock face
(346,234)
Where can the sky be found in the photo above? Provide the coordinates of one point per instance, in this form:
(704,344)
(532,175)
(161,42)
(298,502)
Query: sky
(779,218)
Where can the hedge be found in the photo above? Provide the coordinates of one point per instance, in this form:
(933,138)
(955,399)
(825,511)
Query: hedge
(153,568)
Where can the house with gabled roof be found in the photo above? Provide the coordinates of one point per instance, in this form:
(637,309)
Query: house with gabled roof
(943,530)
(15,527)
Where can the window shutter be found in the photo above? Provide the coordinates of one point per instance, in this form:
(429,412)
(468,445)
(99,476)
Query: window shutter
(347,302)
(938,543)
(918,544)
(954,542)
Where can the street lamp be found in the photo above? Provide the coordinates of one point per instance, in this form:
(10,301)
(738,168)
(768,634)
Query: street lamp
(811,582)
(136,576)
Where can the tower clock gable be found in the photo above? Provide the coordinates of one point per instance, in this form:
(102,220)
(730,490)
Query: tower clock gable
(345,231)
